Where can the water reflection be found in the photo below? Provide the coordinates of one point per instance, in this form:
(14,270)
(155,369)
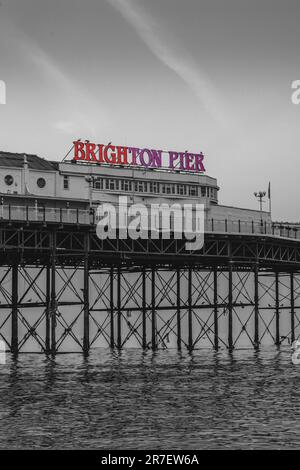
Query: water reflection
(161,400)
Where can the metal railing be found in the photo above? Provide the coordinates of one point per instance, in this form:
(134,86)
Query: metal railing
(252,227)
(88,217)
(46,214)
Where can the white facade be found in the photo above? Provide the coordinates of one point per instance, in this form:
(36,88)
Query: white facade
(91,184)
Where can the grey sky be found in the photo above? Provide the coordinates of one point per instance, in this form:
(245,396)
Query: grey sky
(203,75)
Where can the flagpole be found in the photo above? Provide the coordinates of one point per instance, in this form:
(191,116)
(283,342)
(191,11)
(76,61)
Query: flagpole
(269,196)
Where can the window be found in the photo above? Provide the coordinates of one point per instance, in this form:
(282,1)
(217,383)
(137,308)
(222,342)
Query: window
(66,182)
(112,184)
(154,187)
(167,188)
(203,191)
(140,186)
(181,188)
(98,183)
(8,180)
(214,193)
(125,185)
(193,191)
(41,182)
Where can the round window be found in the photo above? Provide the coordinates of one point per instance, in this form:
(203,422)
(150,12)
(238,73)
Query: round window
(41,183)
(8,180)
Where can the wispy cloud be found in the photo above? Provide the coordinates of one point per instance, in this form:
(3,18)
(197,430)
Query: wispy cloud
(79,100)
(76,108)
(175,57)
(67,127)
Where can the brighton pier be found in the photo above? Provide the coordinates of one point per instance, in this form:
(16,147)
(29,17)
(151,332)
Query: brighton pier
(62,289)
(148,158)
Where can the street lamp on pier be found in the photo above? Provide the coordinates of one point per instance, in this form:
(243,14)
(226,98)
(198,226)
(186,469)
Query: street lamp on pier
(260,197)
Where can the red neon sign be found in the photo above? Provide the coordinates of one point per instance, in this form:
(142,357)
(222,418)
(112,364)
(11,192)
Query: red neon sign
(127,156)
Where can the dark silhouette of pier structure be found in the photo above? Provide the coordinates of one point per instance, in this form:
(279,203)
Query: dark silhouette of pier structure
(46,251)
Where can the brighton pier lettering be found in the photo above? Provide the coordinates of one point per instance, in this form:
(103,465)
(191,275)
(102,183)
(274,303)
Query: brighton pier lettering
(147,158)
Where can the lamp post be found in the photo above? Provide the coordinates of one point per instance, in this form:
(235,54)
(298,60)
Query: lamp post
(260,197)
(89,180)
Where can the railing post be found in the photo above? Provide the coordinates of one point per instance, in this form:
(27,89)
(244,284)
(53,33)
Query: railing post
(92,216)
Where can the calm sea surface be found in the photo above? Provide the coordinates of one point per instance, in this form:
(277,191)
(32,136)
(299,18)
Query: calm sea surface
(136,400)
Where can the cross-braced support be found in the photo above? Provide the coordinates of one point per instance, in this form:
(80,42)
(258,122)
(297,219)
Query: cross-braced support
(53,307)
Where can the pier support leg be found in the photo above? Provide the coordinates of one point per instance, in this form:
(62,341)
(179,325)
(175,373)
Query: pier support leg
(256,308)
(230,340)
(86,310)
(178,302)
(112,330)
(48,309)
(277,313)
(190,316)
(14,313)
(119,313)
(216,325)
(153,312)
(53,297)
(144,311)
(292,307)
